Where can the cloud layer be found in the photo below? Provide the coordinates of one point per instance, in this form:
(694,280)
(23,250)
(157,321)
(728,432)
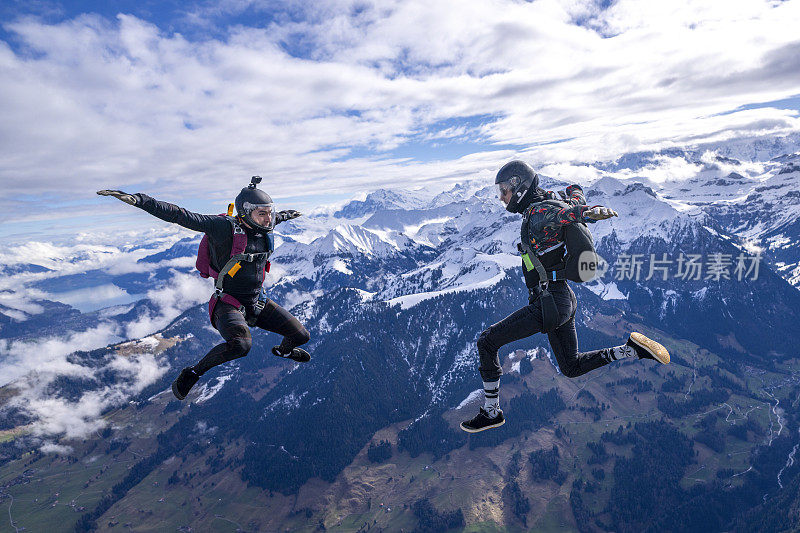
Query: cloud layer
(320,98)
(35,367)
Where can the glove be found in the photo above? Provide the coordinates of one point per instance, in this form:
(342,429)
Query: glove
(289,214)
(599,212)
(119,195)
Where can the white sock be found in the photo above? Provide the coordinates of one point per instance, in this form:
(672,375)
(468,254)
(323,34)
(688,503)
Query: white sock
(491,398)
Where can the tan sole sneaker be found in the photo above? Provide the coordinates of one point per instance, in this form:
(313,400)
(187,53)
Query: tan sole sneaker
(656,350)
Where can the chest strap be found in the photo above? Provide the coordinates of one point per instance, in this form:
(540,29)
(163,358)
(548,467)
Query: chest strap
(233,265)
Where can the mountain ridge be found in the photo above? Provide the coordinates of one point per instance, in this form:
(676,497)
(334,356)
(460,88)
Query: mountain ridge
(394,307)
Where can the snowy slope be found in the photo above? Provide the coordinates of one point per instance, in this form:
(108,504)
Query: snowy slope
(401,283)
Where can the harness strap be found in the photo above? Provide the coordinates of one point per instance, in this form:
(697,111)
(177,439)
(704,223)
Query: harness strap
(550,248)
(251,319)
(227,298)
(233,266)
(542,293)
(531,261)
(239,238)
(258,306)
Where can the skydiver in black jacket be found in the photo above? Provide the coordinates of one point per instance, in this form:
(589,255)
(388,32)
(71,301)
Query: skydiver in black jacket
(236,304)
(552,238)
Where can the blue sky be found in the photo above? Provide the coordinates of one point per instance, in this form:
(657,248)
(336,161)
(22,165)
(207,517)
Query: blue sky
(330,99)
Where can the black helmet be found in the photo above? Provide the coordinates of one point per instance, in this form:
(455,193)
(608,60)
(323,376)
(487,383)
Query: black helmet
(517,177)
(251,199)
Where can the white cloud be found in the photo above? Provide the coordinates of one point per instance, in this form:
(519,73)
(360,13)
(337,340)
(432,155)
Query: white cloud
(16,300)
(50,447)
(570,173)
(108,250)
(32,367)
(93,103)
(182,292)
(54,415)
(143,369)
(48,356)
(92,297)
(113,253)
(18,358)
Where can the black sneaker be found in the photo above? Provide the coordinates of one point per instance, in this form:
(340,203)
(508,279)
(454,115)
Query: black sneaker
(297,354)
(483,421)
(184,383)
(648,348)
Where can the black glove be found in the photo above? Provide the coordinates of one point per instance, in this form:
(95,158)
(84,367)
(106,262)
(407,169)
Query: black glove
(283,216)
(119,195)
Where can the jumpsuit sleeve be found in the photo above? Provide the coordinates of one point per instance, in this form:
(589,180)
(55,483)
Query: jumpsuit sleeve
(570,215)
(210,224)
(575,195)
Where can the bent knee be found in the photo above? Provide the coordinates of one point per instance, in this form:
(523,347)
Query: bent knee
(301,337)
(240,345)
(570,372)
(484,341)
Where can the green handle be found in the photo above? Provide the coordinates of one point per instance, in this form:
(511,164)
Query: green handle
(527,262)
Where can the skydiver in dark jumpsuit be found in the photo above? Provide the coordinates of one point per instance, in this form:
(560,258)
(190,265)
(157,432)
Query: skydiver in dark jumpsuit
(552,235)
(237,303)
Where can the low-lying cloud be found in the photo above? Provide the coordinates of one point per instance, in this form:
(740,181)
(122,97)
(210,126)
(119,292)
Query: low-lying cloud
(31,368)
(182,292)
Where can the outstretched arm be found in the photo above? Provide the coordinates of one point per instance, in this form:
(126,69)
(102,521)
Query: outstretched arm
(565,216)
(551,218)
(584,213)
(170,212)
(590,214)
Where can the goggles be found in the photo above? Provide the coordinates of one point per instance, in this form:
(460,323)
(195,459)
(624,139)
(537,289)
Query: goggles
(260,209)
(505,188)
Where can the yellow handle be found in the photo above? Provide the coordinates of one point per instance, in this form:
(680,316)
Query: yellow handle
(234,269)
(230,210)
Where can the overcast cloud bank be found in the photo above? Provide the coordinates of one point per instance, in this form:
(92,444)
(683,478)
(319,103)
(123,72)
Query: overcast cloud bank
(337,96)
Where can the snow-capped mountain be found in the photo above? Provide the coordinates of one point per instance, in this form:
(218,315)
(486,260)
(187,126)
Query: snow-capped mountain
(767,215)
(403,247)
(395,288)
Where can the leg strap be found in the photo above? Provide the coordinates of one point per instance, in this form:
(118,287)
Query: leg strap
(548,305)
(221,296)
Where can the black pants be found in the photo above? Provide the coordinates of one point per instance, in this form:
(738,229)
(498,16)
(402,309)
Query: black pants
(528,321)
(233,327)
